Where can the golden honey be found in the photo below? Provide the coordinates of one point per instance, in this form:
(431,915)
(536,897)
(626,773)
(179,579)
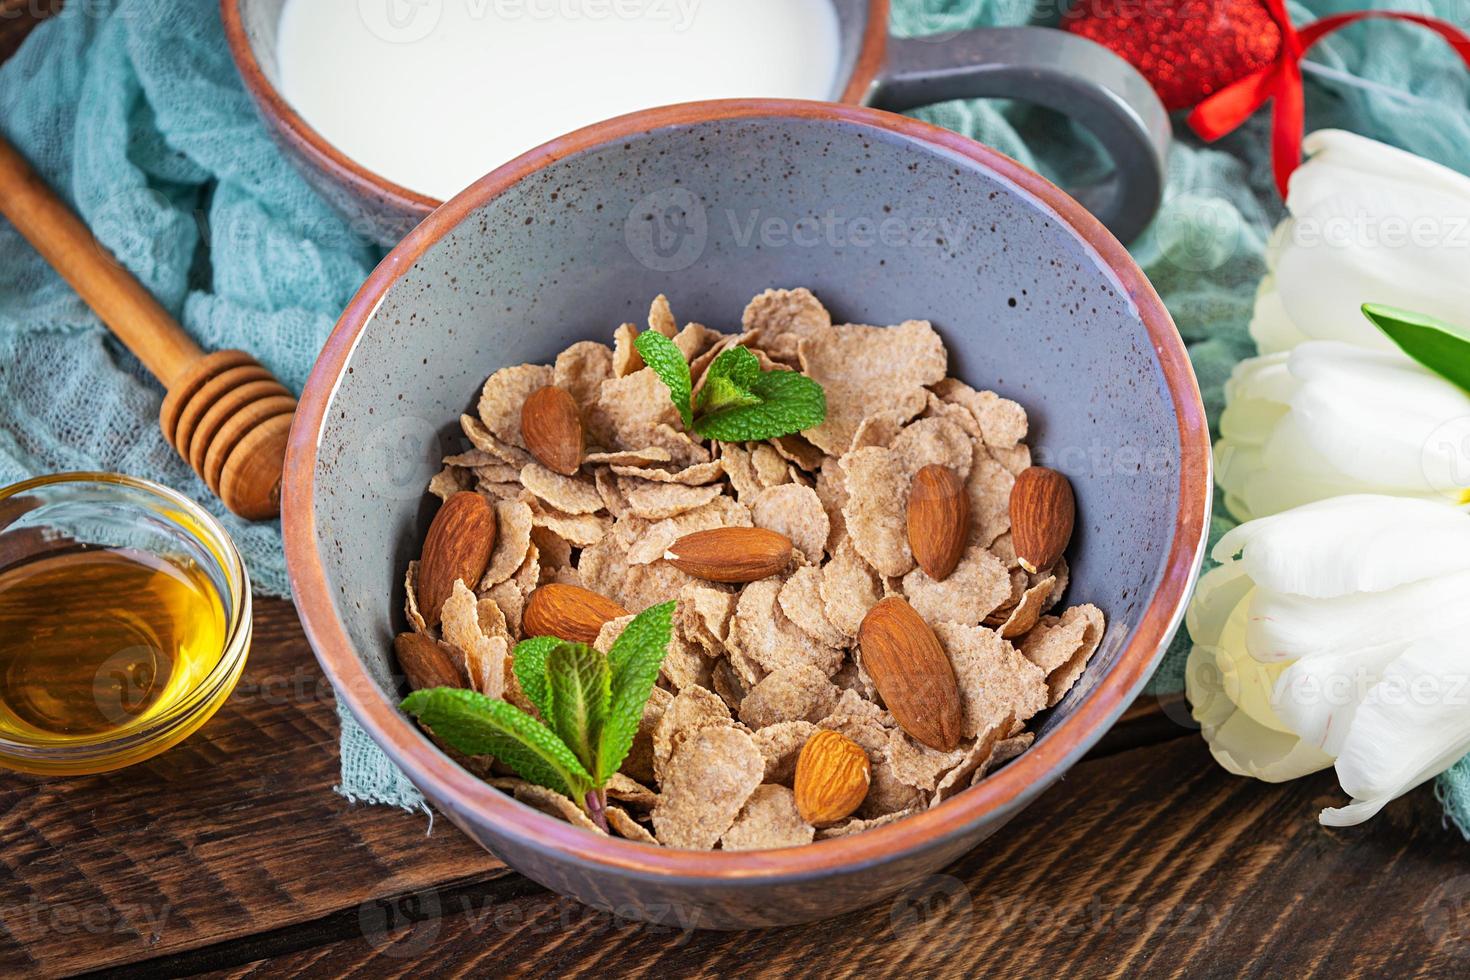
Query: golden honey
(99,641)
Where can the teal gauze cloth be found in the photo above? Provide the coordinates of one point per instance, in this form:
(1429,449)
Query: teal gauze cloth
(133,111)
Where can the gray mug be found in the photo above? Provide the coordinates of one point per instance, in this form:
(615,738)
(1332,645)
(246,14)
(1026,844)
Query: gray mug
(1048,67)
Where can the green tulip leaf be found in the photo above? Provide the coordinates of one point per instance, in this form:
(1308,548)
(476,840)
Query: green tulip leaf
(1443,348)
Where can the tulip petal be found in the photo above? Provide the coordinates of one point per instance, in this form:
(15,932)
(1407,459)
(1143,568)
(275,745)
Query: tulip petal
(1371,221)
(1359,543)
(1413,725)
(1270,327)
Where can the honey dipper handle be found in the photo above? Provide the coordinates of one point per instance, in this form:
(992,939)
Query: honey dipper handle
(120,300)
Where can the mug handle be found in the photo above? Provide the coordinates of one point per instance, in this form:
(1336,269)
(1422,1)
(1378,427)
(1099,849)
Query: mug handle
(1058,70)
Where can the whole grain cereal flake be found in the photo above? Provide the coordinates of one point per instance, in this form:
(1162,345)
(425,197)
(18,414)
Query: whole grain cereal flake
(780,745)
(768,819)
(705,784)
(994,679)
(1061,647)
(504,393)
(795,511)
(799,693)
(866,369)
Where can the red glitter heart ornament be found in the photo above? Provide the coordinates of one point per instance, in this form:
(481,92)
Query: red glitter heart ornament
(1187,49)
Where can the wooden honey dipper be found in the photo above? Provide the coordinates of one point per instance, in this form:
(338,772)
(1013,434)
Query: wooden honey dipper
(224,413)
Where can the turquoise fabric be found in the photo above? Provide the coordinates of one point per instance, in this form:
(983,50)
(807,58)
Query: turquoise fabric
(132,109)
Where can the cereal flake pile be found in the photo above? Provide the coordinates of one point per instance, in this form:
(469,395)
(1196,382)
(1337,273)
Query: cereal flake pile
(754,670)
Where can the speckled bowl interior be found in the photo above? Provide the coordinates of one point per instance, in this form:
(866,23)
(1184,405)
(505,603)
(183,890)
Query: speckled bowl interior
(885,219)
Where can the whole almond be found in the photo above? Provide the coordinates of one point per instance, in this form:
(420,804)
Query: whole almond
(552,429)
(731,554)
(1043,511)
(832,778)
(426,662)
(457,548)
(939,520)
(912,672)
(569,612)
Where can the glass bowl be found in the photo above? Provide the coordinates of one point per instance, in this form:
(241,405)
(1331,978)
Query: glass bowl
(125,621)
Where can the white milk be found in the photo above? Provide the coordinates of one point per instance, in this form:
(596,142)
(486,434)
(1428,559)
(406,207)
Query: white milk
(432,94)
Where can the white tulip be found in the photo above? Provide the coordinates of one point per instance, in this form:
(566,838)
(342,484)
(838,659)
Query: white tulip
(1369,224)
(1329,419)
(1337,633)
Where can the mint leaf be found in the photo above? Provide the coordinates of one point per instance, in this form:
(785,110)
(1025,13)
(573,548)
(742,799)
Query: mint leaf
(719,394)
(529,663)
(1443,348)
(668,363)
(578,681)
(634,659)
(787,402)
(738,365)
(728,381)
(476,725)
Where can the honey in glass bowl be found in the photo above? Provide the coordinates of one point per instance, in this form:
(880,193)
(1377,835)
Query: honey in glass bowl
(124,621)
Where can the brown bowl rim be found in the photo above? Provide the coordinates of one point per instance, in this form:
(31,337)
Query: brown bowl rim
(1002,793)
(293,127)
(296,129)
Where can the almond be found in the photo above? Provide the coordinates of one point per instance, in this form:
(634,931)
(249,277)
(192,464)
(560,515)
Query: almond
(731,554)
(912,672)
(457,548)
(939,520)
(568,611)
(427,662)
(551,427)
(1043,512)
(832,778)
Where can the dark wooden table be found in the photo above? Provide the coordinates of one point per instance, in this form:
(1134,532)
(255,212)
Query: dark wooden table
(231,855)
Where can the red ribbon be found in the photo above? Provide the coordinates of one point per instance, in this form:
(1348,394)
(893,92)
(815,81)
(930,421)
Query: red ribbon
(1281,80)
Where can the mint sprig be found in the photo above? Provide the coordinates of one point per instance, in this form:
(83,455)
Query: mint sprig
(739,402)
(667,361)
(1442,347)
(591,706)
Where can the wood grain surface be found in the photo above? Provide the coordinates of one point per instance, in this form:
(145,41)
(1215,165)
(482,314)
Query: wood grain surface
(232,854)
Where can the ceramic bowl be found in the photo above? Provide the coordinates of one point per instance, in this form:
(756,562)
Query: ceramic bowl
(885,218)
(1062,71)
